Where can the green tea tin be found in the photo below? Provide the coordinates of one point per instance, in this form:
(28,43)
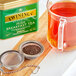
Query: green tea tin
(18,17)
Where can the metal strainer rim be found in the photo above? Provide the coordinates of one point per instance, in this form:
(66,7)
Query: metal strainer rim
(22,59)
(31,41)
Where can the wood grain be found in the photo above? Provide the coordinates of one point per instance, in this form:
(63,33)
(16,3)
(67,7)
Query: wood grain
(40,36)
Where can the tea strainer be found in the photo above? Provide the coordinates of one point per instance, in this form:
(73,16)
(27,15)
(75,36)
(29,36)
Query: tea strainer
(11,60)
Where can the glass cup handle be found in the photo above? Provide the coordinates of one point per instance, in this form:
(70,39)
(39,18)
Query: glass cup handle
(61,33)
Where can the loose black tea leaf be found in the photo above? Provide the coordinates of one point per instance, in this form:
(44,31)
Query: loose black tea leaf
(31,49)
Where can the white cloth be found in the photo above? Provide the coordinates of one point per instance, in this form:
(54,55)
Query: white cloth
(71,70)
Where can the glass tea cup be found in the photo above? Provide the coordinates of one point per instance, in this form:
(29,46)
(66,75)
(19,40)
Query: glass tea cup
(62,24)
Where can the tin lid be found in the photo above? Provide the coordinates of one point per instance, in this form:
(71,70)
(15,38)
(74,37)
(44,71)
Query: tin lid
(8,4)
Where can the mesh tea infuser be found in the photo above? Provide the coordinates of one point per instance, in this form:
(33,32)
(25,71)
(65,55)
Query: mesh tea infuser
(33,49)
(11,60)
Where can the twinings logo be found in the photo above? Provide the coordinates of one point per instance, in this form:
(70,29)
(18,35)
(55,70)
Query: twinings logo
(20,15)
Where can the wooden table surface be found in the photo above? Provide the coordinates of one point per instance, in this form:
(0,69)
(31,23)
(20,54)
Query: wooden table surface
(41,36)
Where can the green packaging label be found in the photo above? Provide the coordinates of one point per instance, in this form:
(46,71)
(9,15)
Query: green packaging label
(18,21)
(0,24)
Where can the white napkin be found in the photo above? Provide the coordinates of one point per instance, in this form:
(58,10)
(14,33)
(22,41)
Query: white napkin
(71,70)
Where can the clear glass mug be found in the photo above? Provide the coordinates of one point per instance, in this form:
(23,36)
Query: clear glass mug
(62,24)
